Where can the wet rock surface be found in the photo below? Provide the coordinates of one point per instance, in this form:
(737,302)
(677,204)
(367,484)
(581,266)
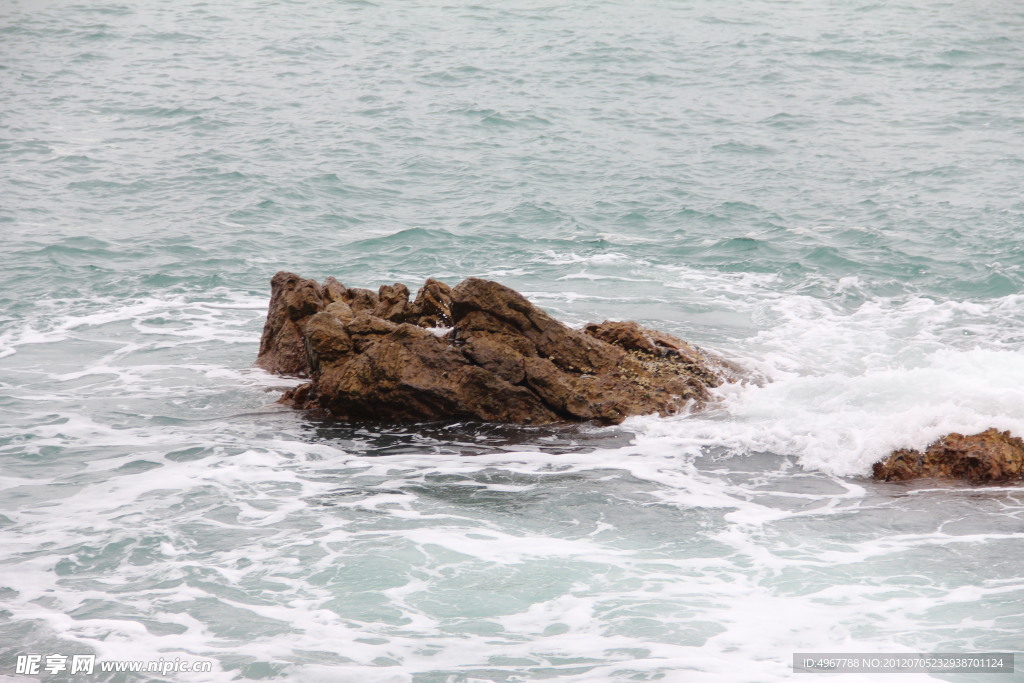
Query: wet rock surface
(990,456)
(478,351)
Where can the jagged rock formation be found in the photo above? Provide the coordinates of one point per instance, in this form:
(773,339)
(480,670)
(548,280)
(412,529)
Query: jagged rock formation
(478,351)
(989,456)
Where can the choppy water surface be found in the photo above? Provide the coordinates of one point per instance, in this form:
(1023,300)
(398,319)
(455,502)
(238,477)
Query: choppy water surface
(827,192)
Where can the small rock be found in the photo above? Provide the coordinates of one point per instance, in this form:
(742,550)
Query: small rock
(987,457)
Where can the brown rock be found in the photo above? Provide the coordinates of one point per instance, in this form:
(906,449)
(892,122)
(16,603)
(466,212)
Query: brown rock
(631,336)
(409,374)
(990,456)
(496,353)
(292,300)
(433,304)
(340,310)
(327,339)
(505,360)
(332,291)
(577,397)
(505,310)
(361,300)
(648,343)
(393,303)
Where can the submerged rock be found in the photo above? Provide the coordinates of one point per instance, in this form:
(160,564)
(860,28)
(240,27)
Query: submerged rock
(478,351)
(990,456)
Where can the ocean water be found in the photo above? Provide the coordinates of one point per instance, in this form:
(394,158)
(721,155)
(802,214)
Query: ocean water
(827,192)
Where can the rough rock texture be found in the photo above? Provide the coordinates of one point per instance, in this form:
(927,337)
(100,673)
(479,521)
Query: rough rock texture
(990,456)
(479,351)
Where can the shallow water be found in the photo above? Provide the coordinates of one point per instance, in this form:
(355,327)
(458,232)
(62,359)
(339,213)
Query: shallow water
(828,193)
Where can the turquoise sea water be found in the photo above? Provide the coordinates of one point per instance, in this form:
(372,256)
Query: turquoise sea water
(827,192)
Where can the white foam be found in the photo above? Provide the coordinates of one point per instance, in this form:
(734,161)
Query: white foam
(583,275)
(191,320)
(609,257)
(752,627)
(849,387)
(295,524)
